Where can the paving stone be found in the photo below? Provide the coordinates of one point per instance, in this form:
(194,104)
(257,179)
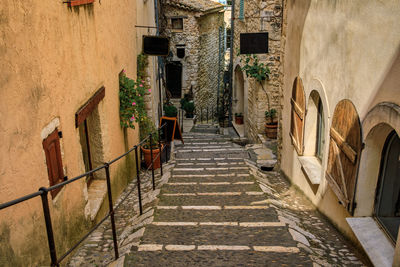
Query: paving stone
(219,228)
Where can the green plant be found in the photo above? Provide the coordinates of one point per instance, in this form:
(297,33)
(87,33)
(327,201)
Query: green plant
(254,69)
(186,98)
(131,97)
(189,107)
(146,127)
(238,114)
(170,110)
(270,115)
(260,72)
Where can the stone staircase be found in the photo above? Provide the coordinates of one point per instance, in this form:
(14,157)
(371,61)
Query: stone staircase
(212,212)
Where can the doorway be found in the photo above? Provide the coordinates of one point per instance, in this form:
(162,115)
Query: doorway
(174,78)
(387,207)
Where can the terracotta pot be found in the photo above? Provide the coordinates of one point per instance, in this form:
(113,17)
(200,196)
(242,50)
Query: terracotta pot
(156,157)
(271,130)
(238,120)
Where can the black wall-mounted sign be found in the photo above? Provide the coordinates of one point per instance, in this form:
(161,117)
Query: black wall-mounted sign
(254,43)
(155,45)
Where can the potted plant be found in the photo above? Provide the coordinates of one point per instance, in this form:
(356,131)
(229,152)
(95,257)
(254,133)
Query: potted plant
(271,125)
(147,127)
(189,109)
(170,110)
(239,118)
(260,72)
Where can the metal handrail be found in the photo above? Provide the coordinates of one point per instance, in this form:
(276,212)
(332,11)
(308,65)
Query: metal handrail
(43,193)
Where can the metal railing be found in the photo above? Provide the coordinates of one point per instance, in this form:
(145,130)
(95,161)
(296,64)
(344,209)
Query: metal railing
(206,115)
(43,193)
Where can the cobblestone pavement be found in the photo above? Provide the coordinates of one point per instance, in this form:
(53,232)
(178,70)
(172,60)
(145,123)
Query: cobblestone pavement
(218,209)
(98,249)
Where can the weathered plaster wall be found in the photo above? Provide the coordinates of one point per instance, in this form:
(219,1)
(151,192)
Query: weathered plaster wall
(206,93)
(351,49)
(53,59)
(257,101)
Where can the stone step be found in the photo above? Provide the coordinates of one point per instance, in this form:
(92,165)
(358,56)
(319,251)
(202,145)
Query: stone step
(210,160)
(181,164)
(222,187)
(222,215)
(238,200)
(218,235)
(209,179)
(226,258)
(215,154)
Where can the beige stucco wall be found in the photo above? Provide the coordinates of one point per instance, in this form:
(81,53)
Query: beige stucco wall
(344,50)
(53,59)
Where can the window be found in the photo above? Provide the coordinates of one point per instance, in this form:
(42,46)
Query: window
(87,119)
(320,140)
(387,206)
(51,146)
(177,24)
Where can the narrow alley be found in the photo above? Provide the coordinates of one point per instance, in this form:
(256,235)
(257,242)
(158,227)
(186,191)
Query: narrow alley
(218,209)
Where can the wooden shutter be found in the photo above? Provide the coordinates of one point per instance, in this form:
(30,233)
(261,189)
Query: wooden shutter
(344,152)
(51,146)
(298,102)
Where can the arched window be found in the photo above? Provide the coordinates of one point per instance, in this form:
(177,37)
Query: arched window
(387,205)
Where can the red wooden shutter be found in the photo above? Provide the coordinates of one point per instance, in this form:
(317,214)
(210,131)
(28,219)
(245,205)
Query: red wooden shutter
(298,102)
(51,146)
(344,152)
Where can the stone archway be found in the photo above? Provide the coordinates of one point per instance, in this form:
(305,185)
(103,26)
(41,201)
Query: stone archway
(377,125)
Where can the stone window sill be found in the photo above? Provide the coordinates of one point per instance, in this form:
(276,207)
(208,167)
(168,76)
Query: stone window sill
(374,241)
(312,168)
(72,3)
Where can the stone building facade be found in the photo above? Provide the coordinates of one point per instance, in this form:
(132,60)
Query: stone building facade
(192,66)
(248,96)
(341,116)
(60,74)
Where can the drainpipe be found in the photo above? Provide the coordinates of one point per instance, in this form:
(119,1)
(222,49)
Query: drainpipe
(159,59)
(231,62)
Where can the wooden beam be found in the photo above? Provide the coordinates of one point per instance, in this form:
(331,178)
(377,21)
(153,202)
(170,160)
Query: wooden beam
(344,146)
(299,111)
(89,106)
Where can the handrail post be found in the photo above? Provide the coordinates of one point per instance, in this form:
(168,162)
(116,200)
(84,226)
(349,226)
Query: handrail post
(207,115)
(201,115)
(138,180)
(159,148)
(111,210)
(49,227)
(152,163)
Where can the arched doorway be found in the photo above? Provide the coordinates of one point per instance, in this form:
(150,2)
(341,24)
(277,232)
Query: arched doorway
(387,204)
(238,92)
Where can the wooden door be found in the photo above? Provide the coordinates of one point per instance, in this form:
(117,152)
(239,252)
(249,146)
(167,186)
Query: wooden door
(298,102)
(344,152)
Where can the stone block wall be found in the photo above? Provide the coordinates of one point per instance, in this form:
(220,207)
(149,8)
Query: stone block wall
(270,12)
(206,93)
